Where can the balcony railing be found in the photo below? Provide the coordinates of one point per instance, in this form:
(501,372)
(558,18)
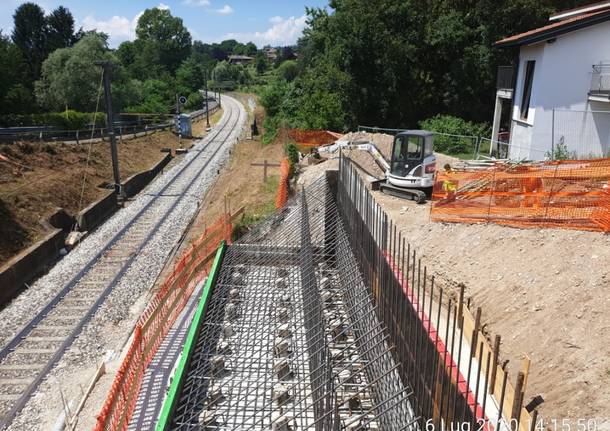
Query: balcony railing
(506,78)
(600,81)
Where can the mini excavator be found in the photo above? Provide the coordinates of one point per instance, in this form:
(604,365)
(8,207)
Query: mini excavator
(410,172)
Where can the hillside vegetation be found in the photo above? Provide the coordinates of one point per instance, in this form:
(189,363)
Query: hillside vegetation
(394,63)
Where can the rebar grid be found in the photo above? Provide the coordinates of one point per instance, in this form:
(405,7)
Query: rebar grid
(290,338)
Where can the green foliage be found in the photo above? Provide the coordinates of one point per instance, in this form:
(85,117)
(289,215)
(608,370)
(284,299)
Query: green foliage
(14,95)
(396,62)
(69,120)
(293,156)
(260,63)
(157,95)
(561,152)
(189,76)
(29,35)
(194,101)
(162,39)
(465,133)
(127,92)
(228,76)
(70,77)
(19,99)
(288,70)
(60,32)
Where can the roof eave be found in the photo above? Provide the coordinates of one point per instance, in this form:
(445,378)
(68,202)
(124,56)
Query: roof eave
(552,33)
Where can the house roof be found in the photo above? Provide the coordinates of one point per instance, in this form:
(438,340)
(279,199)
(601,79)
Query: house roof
(240,57)
(557,28)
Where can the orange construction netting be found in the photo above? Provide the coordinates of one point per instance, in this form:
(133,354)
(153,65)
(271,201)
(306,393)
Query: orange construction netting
(156,321)
(282,191)
(313,138)
(573,194)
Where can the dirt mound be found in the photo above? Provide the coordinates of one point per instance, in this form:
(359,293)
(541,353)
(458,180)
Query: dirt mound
(36,178)
(382,141)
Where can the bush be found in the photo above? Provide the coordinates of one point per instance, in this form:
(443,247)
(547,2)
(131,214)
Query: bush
(194,102)
(455,126)
(293,156)
(288,70)
(70,120)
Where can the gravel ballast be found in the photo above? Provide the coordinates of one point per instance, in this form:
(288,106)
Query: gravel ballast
(112,323)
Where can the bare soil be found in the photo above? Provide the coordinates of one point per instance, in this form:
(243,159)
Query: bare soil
(240,184)
(545,291)
(38,178)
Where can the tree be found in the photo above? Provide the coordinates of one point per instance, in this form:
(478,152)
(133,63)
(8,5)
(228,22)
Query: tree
(260,62)
(162,39)
(288,70)
(14,96)
(285,53)
(400,61)
(247,49)
(70,78)
(60,29)
(189,76)
(29,34)
(156,96)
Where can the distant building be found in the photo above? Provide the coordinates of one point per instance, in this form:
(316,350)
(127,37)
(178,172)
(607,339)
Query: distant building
(271,53)
(557,98)
(240,59)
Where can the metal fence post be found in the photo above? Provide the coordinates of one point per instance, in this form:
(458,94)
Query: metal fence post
(553,135)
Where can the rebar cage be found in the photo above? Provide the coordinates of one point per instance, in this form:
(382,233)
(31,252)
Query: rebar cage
(291,337)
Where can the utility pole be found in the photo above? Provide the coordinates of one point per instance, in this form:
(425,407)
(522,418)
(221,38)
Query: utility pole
(106,66)
(207,106)
(214,78)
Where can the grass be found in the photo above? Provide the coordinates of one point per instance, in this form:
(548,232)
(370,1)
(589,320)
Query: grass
(252,217)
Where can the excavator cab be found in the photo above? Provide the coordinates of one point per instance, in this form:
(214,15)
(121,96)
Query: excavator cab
(413,162)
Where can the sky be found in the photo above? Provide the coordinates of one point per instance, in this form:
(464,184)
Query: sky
(264,22)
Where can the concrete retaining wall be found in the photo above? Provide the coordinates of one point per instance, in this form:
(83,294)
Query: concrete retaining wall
(36,259)
(96,213)
(29,264)
(136,183)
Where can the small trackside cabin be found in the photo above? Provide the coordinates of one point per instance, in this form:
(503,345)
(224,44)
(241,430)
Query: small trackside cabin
(555,103)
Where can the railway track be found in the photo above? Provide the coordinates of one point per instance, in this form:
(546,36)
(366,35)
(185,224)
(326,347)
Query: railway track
(28,357)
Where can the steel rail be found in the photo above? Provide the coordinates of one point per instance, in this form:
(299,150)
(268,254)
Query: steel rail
(30,326)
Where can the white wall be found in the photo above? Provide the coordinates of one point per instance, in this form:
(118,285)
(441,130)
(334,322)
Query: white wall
(562,80)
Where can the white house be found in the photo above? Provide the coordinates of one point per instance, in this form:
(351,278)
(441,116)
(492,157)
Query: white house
(558,99)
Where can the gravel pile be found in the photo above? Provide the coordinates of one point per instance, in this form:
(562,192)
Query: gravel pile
(113,321)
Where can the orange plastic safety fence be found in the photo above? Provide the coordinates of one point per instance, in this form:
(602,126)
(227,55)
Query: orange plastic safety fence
(156,321)
(313,138)
(282,191)
(573,194)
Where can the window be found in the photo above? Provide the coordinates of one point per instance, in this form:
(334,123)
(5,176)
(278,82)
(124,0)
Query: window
(527,88)
(428,150)
(406,148)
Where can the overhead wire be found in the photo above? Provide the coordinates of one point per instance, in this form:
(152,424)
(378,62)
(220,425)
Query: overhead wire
(97,105)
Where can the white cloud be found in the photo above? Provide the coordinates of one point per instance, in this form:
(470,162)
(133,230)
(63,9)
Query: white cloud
(200,3)
(118,28)
(225,10)
(284,31)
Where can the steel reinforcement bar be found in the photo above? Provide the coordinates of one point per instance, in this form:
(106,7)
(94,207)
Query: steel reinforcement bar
(181,371)
(442,354)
